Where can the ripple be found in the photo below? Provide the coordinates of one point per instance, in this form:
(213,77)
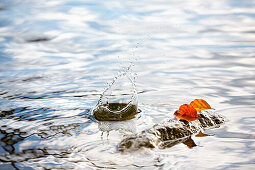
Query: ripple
(35,40)
(57,55)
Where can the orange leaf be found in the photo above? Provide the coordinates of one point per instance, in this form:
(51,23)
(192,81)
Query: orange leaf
(186,112)
(200,104)
(181,117)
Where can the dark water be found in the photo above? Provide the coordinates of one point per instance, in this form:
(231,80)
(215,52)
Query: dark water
(56,57)
(117,112)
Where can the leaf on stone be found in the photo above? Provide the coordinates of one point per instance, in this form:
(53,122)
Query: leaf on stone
(186,112)
(200,104)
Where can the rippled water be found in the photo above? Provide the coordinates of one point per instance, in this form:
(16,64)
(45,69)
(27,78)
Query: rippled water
(57,56)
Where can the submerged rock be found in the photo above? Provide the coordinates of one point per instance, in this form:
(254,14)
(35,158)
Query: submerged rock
(171,132)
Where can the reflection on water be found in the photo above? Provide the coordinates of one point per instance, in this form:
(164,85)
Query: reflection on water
(38,39)
(56,57)
(121,126)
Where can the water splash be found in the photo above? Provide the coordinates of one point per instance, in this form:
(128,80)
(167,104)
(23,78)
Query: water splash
(119,100)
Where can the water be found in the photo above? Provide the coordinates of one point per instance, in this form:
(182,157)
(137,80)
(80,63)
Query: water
(56,57)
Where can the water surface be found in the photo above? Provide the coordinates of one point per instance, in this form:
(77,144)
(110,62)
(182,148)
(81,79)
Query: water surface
(57,56)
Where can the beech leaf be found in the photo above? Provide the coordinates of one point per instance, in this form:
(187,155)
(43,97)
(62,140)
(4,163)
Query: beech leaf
(200,104)
(186,112)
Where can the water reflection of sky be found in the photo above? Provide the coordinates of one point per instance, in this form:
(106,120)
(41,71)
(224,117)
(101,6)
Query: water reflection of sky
(57,55)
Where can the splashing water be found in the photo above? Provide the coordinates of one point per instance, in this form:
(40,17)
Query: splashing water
(119,100)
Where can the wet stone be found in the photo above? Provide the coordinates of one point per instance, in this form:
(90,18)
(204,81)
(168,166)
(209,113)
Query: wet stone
(170,133)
